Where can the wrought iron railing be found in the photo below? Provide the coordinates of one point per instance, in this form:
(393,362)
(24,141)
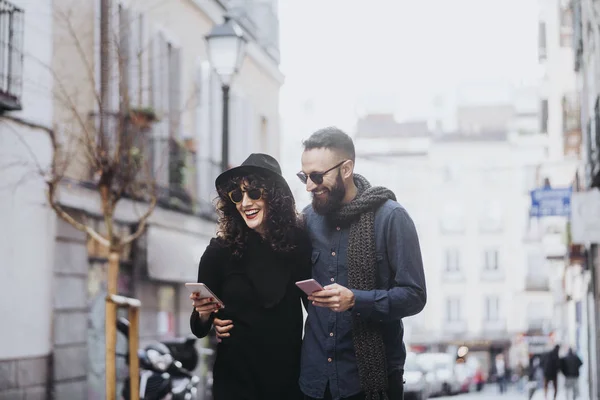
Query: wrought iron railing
(11,56)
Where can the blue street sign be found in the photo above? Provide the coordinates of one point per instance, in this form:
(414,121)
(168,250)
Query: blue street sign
(548,202)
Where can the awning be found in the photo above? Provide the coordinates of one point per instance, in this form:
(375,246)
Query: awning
(174,255)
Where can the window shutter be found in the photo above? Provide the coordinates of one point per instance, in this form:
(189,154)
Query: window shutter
(174,87)
(206,164)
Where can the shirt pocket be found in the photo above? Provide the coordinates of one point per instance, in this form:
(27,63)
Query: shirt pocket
(314,260)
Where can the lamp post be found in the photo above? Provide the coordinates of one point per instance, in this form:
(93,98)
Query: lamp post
(226,47)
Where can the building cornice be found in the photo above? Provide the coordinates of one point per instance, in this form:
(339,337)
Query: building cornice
(215,10)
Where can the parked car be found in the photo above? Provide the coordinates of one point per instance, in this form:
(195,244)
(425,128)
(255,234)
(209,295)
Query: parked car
(427,364)
(443,366)
(466,378)
(416,385)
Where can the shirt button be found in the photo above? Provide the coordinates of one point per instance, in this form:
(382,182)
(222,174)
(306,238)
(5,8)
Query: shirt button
(329,360)
(338,228)
(332,279)
(333,253)
(331,334)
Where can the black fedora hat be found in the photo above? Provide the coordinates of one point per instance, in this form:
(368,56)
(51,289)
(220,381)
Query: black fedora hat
(256,163)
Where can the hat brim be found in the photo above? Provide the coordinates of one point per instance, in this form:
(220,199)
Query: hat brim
(245,170)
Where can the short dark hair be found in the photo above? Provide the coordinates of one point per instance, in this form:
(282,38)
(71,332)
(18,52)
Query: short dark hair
(331,138)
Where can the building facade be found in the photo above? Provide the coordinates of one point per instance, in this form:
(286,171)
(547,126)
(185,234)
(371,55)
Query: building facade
(157,58)
(583,295)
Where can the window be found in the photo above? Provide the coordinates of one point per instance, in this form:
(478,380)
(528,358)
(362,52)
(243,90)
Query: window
(264,134)
(453,218)
(11,56)
(453,309)
(566,25)
(542,41)
(452,261)
(544,116)
(491,260)
(538,273)
(490,219)
(492,308)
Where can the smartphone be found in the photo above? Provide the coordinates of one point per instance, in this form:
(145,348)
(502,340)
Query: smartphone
(204,291)
(309,286)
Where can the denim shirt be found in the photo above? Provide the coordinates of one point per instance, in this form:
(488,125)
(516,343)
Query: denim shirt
(327,351)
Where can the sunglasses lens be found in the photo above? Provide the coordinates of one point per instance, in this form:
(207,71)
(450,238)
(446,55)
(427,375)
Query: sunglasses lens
(254,194)
(236,195)
(302,176)
(316,178)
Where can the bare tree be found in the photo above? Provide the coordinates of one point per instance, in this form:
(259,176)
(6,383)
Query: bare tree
(107,145)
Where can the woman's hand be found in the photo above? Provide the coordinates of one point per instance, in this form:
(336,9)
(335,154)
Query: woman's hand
(222,328)
(204,306)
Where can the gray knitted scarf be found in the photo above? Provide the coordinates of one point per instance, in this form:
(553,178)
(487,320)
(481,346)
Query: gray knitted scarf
(366,335)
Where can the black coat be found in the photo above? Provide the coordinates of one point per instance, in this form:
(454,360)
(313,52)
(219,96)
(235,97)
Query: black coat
(261,358)
(570,365)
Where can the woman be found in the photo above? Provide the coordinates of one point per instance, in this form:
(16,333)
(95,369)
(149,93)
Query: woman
(252,266)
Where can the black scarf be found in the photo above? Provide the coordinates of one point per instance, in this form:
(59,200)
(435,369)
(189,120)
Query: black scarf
(362,270)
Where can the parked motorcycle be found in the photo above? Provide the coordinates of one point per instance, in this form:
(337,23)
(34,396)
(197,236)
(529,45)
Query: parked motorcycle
(162,375)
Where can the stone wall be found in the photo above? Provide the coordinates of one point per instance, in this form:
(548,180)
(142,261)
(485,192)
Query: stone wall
(70,313)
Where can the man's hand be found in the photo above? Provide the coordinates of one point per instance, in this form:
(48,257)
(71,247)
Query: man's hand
(335,297)
(222,328)
(204,306)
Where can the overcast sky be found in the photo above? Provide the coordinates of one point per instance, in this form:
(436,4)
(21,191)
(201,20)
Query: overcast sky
(349,56)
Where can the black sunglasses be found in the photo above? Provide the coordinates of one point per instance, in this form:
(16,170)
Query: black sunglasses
(316,177)
(237,195)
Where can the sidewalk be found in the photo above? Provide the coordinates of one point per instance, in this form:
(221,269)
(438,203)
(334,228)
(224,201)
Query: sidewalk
(562,394)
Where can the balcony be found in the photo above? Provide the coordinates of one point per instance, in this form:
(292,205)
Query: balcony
(11,56)
(455,327)
(493,329)
(538,325)
(167,162)
(554,245)
(537,283)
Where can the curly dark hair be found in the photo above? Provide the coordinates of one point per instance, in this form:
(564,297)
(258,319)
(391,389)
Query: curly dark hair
(281,219)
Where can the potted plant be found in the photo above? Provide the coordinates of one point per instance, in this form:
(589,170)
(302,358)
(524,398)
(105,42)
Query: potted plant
(142,117)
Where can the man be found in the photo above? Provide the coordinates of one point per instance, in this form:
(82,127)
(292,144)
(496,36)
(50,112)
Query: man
(366,247)
(501,373)
(570,365)
(551,368)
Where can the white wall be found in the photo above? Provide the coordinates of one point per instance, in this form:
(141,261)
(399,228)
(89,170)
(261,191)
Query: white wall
(27,228)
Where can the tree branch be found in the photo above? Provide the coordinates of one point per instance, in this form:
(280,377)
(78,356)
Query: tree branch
(52,184)
(142,225)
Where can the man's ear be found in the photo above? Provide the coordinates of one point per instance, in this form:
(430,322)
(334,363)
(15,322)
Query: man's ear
(347,169)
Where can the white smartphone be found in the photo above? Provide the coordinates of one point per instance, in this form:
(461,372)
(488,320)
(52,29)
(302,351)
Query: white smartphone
(309,286)
(204,291)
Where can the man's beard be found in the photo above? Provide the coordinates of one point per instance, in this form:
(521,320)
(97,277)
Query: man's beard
(333,199)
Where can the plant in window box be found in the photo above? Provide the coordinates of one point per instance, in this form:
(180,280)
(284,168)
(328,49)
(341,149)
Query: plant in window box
(142,117)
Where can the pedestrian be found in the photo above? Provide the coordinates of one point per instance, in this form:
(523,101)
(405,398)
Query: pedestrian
(367,256)
(551,368)
(366,252)
(252,265)
(570,365)
(500,367)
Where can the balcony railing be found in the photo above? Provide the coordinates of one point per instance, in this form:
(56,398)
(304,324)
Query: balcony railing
(11,56)
(169,163)
(537,283)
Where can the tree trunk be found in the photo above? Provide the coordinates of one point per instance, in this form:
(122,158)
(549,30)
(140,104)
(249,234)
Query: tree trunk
(111,326)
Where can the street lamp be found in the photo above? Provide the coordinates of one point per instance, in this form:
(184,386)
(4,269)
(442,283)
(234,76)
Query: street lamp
(226,47)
